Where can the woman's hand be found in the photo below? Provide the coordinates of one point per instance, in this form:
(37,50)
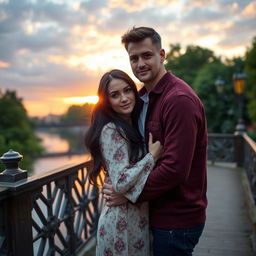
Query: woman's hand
(155,149)
(112,198)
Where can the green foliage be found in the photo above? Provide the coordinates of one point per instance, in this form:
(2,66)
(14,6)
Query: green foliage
(220,108)
(252,134)
(16,130)
(186,65)
(200,68)
(78,113)
(250,69)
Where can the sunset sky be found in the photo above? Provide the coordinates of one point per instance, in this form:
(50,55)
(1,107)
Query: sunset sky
(53,52)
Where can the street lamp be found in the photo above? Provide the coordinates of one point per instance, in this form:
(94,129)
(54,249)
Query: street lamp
(239,88)
(219,83)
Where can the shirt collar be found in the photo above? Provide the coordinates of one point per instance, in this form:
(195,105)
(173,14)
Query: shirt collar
(144,97)
(158,89)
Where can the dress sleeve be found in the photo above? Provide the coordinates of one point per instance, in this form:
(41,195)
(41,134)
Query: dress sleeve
(127,179)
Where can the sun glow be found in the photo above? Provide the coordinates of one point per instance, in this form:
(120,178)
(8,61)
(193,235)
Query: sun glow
(81,100)
(4,64)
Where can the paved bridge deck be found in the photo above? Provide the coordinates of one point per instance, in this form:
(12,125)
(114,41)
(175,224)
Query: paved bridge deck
(227,231)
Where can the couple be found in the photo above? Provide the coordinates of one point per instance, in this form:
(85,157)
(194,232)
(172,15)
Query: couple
(152,146)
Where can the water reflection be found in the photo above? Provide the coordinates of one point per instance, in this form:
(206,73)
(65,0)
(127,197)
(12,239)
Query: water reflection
(60,140)
(52,142)
(42,165)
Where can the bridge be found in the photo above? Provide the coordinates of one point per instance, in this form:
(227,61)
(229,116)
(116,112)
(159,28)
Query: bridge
(56,213)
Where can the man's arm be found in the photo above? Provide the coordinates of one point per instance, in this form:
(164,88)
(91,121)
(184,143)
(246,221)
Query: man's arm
(180,125)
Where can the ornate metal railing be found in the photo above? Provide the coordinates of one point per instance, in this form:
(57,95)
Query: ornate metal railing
(221,147)
(52,214)
(249,182)
(56,213)
(239,149)
(250,164)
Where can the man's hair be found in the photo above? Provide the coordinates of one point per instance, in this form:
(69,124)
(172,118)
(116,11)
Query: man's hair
(136,35)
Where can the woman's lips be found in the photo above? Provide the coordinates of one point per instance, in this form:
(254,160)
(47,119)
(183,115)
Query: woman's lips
(126,106)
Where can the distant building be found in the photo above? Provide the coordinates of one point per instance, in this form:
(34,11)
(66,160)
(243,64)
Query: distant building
(52,119)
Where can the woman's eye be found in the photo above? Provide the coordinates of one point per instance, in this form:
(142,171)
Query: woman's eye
(114,95)
(129,89)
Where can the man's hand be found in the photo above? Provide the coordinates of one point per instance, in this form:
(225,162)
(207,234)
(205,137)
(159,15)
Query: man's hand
(112,198)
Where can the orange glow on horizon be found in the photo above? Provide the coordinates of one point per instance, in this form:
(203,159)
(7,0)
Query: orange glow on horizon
(82,100)
(4,64)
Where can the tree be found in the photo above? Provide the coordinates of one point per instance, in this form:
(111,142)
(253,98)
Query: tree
(78,114)
(186,65)
(250,70)
(16,130)
(221,108)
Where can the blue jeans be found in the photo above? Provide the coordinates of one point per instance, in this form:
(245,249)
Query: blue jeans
(175,242)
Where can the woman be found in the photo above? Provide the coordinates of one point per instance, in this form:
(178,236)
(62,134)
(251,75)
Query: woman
(116,146)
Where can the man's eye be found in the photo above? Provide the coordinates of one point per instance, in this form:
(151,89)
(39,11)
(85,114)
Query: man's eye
(133,59)
(147,55)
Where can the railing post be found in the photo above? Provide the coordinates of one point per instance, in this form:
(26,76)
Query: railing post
(239,149)
(5,246)
(12,173)
(18,207)
(20,224)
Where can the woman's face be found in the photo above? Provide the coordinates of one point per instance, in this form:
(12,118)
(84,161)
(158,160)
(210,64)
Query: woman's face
(121,97)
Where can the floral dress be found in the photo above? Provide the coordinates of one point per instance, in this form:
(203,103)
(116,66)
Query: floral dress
(124,230)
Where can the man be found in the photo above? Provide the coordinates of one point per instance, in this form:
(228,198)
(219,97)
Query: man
(176,188)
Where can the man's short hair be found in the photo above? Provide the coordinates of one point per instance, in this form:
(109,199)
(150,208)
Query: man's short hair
(136,35)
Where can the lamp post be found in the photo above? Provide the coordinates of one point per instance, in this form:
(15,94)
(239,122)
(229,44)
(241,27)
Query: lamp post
(239,88)
(219,83)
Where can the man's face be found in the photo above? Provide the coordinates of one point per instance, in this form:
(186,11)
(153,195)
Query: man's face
(146,60)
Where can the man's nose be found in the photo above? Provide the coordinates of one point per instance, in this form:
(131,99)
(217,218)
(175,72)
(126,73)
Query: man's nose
(141,63)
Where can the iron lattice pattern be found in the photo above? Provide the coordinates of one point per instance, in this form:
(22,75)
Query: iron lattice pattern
(221,148)
(250,167)
(65,214)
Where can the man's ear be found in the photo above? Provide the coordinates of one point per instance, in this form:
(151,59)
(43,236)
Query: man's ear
(162,55)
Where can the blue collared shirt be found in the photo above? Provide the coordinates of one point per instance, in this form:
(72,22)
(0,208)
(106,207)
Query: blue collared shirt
(143,113)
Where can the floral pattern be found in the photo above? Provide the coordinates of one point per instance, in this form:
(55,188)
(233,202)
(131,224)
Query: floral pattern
(124,230)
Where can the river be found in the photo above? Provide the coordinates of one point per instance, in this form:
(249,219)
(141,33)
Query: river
(60,140)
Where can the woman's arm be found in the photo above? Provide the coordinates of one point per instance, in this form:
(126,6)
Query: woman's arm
(126,179)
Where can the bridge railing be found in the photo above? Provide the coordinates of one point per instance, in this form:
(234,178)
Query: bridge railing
(56,213)
(221,148)
(249,181)
(239,149)
(51,214)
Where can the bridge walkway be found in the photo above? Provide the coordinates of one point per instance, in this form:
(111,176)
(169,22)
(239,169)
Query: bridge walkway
(228,228)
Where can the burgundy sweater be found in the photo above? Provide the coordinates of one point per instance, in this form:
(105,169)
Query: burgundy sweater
(176,188)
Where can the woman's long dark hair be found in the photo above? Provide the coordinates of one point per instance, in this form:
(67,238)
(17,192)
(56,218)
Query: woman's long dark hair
(103,114)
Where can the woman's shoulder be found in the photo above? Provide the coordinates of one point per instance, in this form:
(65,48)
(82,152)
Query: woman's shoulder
(110,132)
(108,129)
(109,126)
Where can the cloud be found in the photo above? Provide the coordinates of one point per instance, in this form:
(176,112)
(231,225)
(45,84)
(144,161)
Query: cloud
(95,5)
(36,26)
(148,17)
(59,47)
(60,14)
(203,15)
(240,33)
